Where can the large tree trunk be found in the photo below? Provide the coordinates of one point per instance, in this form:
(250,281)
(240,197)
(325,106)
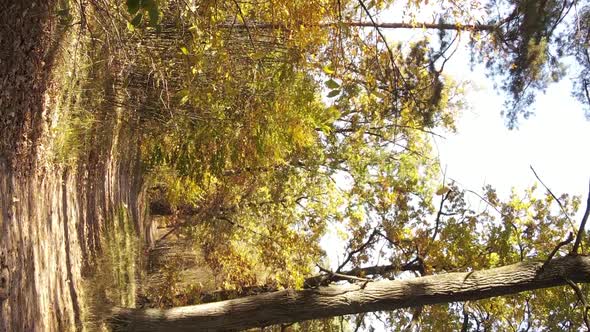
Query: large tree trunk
(291,305)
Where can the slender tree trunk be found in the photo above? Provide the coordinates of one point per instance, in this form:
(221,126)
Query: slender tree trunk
(291,305)
(400,25)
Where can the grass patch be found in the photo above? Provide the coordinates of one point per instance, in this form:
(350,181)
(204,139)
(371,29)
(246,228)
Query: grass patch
(114,280)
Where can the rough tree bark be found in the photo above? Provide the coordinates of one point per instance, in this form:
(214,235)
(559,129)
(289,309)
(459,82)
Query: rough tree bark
(291,306)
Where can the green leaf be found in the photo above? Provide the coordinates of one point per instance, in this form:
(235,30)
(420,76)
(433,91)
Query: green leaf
(325,128)
(184,93)
(331,84)
(333,93)
(154,14)
(130,27)
(333,113)
(184,100)
(136,20)
(378,94)
(133,6)
(147,4)
(258,55)
(63,12)
(328,70)
(184,50)
(494,259)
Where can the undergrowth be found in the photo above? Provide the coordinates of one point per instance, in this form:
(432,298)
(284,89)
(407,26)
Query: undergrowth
(115,277)
(71,116)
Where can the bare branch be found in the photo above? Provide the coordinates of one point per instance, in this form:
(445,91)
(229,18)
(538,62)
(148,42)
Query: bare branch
(582,226)
(359,249)
(359,321)
(492,205)
(465,324)
(569,239)
(311,282)
(582,299)
(439,214)
(245,24)
(398,75)
(378,270)
(552,195)
(485,201)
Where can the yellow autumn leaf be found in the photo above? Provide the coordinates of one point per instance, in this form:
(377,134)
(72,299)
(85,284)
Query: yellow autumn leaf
(442,191)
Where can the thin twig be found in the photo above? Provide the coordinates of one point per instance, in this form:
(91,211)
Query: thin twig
(553,195)
(440,213)
(398,72)
(493,206)
(485,201)
(359,249)
(245,23)
(465,324)
(582,299)
(582,225)
(528,315)
(174,229)
(359,321)
(376,26)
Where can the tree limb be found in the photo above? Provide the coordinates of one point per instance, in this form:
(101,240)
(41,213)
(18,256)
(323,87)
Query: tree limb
(297,305)
(438,215)
(356,251)
(465,324)
(582,299)
(582,226)
(569,239)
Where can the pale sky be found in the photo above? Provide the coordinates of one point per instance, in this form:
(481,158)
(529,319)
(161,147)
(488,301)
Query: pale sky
(483,151)
(553,141)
